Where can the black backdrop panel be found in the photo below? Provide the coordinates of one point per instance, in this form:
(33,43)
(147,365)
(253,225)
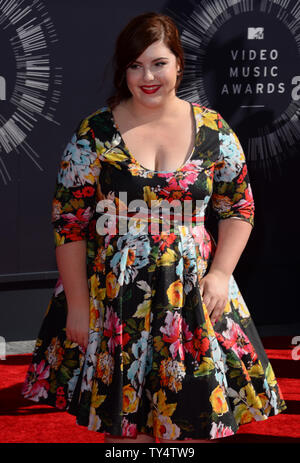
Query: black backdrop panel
(75,54)
(56,69)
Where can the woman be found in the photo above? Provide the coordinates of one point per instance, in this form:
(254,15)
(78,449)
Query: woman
(147,335)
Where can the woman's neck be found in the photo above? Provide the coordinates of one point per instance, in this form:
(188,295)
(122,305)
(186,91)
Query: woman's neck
(144,114)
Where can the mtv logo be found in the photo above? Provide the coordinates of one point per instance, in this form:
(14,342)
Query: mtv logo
(255,33)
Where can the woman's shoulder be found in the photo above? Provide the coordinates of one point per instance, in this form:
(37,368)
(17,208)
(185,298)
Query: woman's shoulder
(204,109)
(99,122)
(102,113)
(207,116)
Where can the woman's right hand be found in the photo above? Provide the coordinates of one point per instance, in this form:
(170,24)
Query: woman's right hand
(77,325)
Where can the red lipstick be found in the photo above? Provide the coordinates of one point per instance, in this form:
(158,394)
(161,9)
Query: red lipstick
(150,88)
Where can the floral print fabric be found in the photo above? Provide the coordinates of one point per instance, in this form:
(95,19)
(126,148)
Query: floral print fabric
(154,362)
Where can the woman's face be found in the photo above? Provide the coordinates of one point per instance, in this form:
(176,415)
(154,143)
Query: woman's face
(151,79)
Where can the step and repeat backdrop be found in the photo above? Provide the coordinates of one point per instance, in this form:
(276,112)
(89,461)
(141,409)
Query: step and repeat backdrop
(242,58)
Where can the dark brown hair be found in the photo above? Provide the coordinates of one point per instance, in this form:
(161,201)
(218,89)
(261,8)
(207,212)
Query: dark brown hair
(139,34)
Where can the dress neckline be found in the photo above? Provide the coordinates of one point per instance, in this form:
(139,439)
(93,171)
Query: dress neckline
(137,163)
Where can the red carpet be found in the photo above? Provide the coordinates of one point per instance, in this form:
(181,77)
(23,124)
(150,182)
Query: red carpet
(23,421)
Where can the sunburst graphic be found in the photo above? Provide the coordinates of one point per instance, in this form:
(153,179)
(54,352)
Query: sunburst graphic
(235,63)
(30,82)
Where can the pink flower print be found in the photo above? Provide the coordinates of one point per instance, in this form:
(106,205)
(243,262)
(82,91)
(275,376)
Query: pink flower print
(75,223)
(128,429)
(188,335)
(112,329)
(173,333)
(182,179)
(234,338)
(203,240)
(205,245)
(198,345)
(36,385)
(220,430)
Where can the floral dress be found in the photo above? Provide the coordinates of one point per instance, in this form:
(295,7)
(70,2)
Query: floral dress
(154,363)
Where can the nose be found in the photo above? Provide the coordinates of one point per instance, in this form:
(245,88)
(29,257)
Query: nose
(148,74)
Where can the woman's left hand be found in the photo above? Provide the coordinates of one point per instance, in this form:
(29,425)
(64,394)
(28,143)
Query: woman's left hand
(214,292)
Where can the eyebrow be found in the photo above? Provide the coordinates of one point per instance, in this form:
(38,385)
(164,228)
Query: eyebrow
(156,59)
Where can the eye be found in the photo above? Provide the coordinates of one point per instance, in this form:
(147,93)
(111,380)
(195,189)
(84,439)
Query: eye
(133,66)
(161,63)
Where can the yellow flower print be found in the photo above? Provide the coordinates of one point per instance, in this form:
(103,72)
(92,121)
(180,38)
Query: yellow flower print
(84,127)
(227,308)
(148,320)
(94,285)
(69,344)
(165,429)
(256,370)
(114,157)
(244,369)
(210,119)
(239,304)
(55,353)
(144,311)
(95,169)
(112,285)
(96,400)
(208,325)
(159,417)
(94,316)
(265,403)
(105,367)
(73,204)
(205,367)
(209,183)
(130,399)
(136,169)
(175,293)
(249,395)
(270,376)
(149,196)
(201,267)
(263,398)
(95,295)
(94,420)
(99,262)
(242,414)
(218,401)
(159,398)
(58,239)
(167,258)
(172,373)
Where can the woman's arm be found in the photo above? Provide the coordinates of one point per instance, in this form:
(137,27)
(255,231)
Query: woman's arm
(71,263)
(233,235)
(73,206)
(233,204)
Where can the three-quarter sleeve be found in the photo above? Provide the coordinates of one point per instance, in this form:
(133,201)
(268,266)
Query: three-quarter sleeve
(74,199)
(232,195)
